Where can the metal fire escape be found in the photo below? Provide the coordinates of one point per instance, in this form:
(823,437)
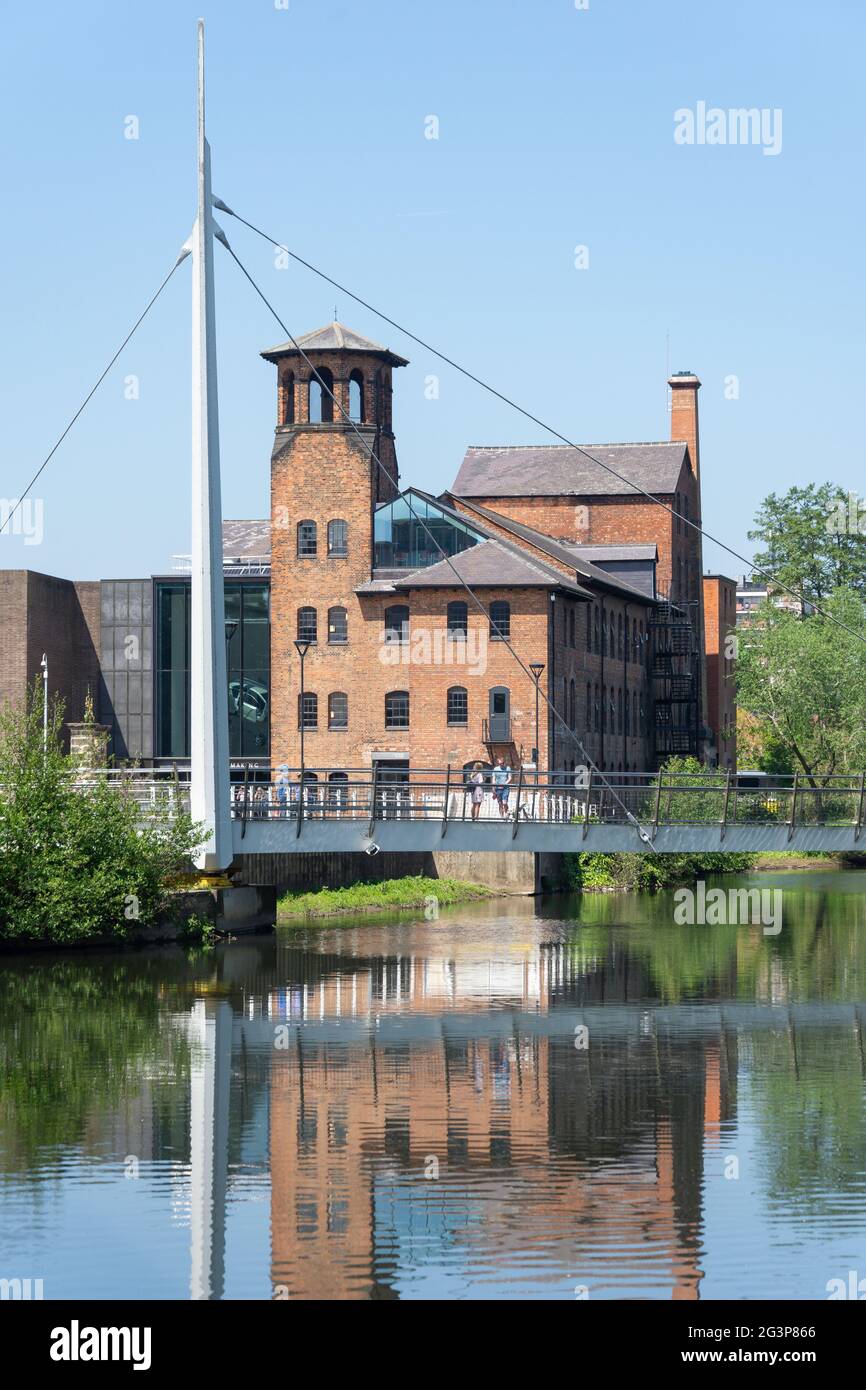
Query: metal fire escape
(676,680)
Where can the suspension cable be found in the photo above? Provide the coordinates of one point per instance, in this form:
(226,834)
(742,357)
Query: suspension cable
(92,392)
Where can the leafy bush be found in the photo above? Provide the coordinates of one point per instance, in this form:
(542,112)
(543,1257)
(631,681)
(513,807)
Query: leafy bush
(75,862)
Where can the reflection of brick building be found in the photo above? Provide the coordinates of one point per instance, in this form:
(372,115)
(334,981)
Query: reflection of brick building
(514,1142)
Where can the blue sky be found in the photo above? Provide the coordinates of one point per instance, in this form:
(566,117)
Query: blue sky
(556,129)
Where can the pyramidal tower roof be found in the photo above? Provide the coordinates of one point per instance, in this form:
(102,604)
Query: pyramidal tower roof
(334,337)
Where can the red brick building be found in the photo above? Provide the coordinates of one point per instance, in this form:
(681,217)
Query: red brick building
(720,613)
(425,618)
(404,665)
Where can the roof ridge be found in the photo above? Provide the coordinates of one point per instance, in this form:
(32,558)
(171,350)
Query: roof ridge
(608,444)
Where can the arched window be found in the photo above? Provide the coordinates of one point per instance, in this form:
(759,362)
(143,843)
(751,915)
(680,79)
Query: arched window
(500,621)
(588,612)
(597,625)
(356,397)
(338,626)
(397,709)
(627,719)
(642,646)
(338,537)
(588,707)
(572,642)
(572,705)
(338,710)
(308,711)
(458,705)
(597,711)
(604,632)
(619,712)
(397,623)
(634,650)
(307,542)
(458,618)
(619,636)
(288,399)
(321,397)
(307,625)
(604,709)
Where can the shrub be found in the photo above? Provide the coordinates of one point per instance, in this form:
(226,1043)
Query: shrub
(76,862)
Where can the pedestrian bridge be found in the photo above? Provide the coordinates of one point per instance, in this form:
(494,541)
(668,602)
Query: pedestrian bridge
(358,810)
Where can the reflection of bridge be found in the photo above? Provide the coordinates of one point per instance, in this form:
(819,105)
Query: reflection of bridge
(345,811)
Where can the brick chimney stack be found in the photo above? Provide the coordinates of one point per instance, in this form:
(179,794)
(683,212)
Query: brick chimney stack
(684,413)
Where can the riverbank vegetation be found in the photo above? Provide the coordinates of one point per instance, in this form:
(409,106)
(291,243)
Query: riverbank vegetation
(801,674)
(76,862)
(415,892)
(636,873)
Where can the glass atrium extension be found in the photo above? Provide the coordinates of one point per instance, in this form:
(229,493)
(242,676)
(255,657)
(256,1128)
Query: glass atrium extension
(404,538)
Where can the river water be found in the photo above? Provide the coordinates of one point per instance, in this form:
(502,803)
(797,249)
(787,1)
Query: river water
(561,1099)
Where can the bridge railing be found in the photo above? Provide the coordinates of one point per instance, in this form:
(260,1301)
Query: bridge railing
(447,794)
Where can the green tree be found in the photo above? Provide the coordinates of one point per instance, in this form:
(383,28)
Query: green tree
(812,541)
(804,680)
(76,861)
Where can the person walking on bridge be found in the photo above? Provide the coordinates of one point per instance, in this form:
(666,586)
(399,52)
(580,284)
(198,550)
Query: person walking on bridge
(476,782)
(501,783)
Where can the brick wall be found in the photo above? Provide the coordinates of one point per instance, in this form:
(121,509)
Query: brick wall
(40,613)
(720,604)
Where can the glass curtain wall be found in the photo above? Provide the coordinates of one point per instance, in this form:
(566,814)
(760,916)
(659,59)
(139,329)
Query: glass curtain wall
(247,607)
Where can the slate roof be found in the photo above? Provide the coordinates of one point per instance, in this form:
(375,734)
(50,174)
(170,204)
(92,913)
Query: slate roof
(594,553)
(556,470)
(334,337)
(242,538)
(490,564)
(563,551)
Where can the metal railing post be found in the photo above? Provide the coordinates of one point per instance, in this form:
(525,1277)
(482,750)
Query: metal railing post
(586,805)
(793,821)
(517,807)
(725,804)
(300,799)
(861,807)
(445,806)
(244,802)
(373,794)
(657,806)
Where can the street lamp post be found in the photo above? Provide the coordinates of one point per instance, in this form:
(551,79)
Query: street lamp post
(536,667)
(44,664)
(302,647)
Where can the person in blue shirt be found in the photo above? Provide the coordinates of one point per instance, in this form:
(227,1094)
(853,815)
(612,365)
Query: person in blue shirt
(501,783)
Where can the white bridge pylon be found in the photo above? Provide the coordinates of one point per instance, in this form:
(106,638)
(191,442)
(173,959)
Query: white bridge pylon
(209,743)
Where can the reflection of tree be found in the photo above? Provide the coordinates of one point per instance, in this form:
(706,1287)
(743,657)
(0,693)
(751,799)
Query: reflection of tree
(819,954)
(807,1088)
(76,1038)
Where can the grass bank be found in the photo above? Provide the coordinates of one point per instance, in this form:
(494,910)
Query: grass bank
(390,894)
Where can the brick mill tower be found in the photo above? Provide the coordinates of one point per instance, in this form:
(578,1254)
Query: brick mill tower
(324,489)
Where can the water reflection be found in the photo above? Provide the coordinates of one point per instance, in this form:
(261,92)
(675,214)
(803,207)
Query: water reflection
(408,1110)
